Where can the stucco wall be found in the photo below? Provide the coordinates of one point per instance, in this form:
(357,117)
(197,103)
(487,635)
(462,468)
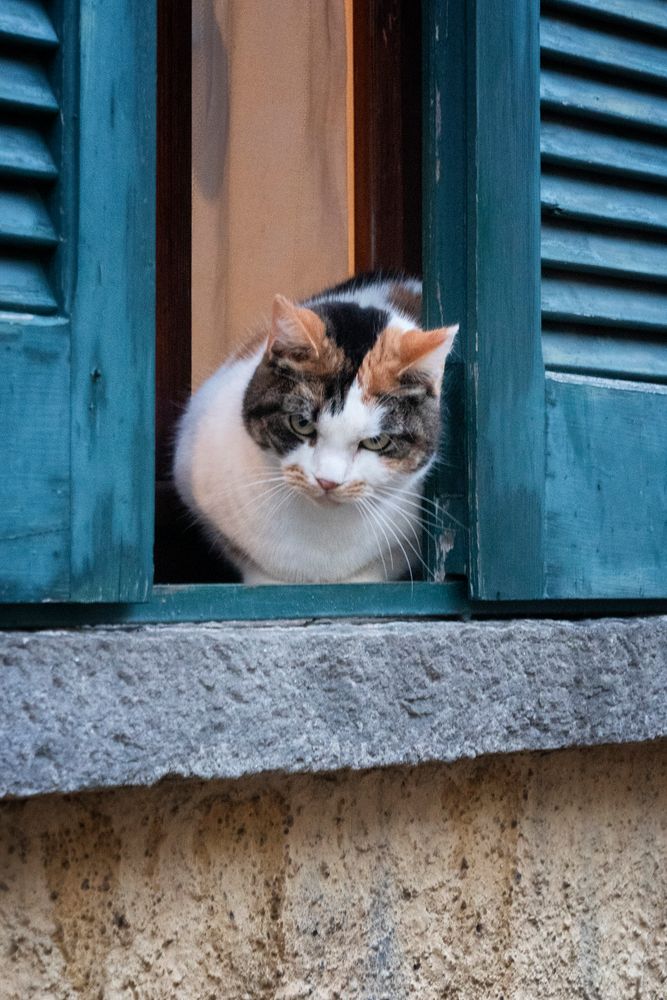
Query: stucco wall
(522,877)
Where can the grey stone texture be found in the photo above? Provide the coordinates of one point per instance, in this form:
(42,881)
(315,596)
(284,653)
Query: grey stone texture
(101,707)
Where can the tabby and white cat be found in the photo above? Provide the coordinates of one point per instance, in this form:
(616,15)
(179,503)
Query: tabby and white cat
(304,458)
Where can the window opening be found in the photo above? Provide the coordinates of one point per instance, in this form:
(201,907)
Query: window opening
(324,132)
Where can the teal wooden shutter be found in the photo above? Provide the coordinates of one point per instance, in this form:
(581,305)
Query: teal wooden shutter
(603,88)
(76,299)
(565,310)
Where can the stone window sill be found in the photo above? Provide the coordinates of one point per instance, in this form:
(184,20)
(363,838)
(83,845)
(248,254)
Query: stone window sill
(111,706)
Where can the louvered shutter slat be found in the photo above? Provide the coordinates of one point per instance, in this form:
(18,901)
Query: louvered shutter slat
(578,145)
(597,99)
(603,303)
(603,142)
(26,21)
(28,235)
(25,220)
(587,46)
(24,285)
(646,13)
(25,85)
(574,196)
(607,253)
(24,153)
(569,349)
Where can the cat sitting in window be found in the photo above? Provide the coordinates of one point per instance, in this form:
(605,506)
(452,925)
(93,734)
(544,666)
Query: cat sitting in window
(304,458)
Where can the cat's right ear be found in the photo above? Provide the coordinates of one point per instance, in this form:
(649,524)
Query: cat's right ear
(296,333)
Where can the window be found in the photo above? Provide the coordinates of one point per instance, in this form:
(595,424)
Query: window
(560,474)
(282,124)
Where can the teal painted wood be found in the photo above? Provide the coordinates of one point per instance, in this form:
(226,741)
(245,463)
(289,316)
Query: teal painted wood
(600,100)
(622,205)
(24,219)
(24,153)
(604,354)
(225,602)
(25,86)
(234,602)
(585,249)
(606,498)
(604,298)
(445,282)
(26,68)
(589,148)
(34,458)
(582,44)
(27,21)
(604,155)
(505,402)
(604,271)
(24,285)
(645,13)
(35,353)
(79,241)
(603,302)
(113,344)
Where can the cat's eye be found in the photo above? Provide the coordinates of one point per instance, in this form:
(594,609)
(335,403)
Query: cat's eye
(300,425)
(378,443)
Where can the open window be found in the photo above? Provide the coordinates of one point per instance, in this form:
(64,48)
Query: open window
(303,168)
(543,232)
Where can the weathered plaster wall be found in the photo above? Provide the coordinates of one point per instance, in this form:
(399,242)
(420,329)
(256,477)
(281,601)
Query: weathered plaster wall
(525,877)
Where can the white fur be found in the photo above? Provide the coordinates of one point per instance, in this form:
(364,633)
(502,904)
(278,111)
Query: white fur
(288,535)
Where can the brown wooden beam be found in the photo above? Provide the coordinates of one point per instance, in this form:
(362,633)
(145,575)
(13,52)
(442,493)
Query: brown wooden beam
(387,134)
(173,254)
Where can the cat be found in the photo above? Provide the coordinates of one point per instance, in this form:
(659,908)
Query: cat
(304,457)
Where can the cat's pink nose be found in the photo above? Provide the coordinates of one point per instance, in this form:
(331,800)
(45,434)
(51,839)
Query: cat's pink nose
(327,484)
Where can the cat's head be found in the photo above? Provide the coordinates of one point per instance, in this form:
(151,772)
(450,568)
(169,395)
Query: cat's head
(348,401)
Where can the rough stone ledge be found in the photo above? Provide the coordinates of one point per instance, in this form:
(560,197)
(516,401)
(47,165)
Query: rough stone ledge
(118,706)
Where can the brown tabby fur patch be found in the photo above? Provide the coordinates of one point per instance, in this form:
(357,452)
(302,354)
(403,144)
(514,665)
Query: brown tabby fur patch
(406,301)
(330,359)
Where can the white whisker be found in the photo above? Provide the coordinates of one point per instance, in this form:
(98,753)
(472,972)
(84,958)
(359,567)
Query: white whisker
(420,518)
(367,520)
(416,499)
(391,526)
(367,506)
(270,514)
(262,498)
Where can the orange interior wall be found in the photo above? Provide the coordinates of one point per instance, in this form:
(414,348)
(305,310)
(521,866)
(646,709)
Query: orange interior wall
(272,161)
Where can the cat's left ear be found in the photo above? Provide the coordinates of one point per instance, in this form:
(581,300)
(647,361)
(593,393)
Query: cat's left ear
(426,351)
(296,332)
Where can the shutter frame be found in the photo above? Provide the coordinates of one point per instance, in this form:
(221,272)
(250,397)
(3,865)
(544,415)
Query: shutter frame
(504,354)
(477,184)
(113,344)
